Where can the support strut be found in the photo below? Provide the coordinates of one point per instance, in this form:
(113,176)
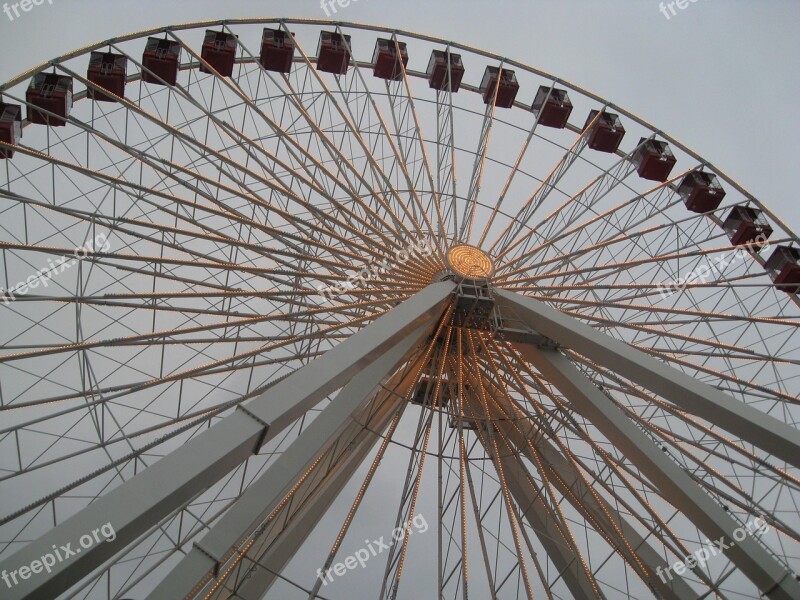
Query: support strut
(749,556)
(141,503)
(697,398)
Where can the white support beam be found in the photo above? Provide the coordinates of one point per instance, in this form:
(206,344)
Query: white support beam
(335,368)
(288,541)
(698,398)
(261,576)
(596,509)
(139,504)
(518,430)
(545,523)
(267,492)
(675,484)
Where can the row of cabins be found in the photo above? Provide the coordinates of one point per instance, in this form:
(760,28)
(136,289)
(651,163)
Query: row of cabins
(49,96)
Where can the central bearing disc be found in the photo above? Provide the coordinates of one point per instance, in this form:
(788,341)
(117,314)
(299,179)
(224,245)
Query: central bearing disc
(470,262)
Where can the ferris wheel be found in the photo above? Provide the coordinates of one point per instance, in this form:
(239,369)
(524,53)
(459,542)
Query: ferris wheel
(304,309)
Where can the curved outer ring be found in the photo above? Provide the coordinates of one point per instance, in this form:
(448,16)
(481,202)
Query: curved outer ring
(266,21)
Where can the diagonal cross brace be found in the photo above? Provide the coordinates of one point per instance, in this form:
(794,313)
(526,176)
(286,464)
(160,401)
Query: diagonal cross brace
(512,424)
(141,503)
(545,523)
(749,556)
(599,510)
(268,491)
(695,397)
(287,542)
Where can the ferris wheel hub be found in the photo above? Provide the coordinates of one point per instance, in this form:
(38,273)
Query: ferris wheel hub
(469,262)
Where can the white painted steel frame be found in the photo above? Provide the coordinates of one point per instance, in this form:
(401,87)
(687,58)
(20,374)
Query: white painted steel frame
(140,503)
(248,426)
(264,496)
(695,397)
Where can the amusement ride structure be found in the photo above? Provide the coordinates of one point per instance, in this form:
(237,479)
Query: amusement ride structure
(274,286)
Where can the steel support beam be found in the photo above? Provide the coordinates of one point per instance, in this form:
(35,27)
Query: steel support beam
(267,492)
(594,508)
(675,484)
(142,502)
(545,523)
(517,429)
(698,398)
(261,576)
(305,519)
